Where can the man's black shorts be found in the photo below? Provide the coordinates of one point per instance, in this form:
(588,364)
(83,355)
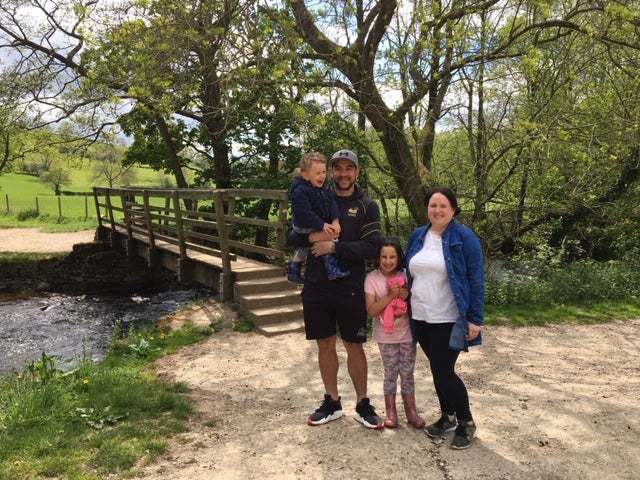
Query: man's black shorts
(327,314)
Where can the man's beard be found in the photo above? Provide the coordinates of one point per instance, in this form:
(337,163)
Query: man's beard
(337,186)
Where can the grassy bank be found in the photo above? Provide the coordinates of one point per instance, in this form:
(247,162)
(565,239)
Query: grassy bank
(541,315)
(48,223)
(97,419)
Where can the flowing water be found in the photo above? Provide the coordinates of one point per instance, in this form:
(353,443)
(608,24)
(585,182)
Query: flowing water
(66,326)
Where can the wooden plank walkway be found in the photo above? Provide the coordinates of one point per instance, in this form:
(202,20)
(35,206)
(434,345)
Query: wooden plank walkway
(166,228)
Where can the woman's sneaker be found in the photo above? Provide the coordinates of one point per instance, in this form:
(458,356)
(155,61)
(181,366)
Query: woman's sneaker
(366,415)
(329,410)
(442,426)
(464,436)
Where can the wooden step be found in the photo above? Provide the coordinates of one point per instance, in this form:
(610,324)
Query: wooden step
(280,328)
(268,299)
(271,315)
(259,272)
(260,285)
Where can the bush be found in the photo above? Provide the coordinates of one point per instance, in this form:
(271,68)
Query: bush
(28,214)
(574,283)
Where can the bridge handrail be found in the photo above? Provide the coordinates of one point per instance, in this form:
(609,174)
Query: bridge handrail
(173,216)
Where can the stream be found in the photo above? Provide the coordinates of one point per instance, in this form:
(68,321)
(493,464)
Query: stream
(65,326)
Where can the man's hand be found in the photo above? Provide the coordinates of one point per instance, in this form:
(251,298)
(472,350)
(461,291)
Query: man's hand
(322,248)
(330,231)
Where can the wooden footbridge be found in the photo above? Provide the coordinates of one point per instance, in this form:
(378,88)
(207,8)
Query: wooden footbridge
(211,237)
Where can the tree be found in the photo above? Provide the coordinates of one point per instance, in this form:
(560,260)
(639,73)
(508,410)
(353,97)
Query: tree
(13,125)
(502,99)
(107,166)
(55,178)
(158,60)
(424,53)
(542,157)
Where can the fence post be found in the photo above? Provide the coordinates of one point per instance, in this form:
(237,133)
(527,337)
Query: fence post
(7,197)
(59,206)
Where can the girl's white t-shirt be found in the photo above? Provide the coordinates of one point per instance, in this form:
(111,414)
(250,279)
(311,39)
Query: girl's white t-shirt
(375,284)
(431,297)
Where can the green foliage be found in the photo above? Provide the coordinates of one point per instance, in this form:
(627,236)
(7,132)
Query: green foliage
(98,418)
(44,369)
(513,122)
(542,281)
(143,348)
(55,178)
(147,147)
(103,417)
(243,325)
(27,214)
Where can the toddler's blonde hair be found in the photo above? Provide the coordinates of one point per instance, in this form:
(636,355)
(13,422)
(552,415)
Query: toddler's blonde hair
(307,160)
(310,158)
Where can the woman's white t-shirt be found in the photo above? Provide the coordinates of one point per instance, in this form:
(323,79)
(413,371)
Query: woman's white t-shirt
(431,297)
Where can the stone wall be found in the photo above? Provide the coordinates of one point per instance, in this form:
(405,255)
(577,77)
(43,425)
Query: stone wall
(89,268)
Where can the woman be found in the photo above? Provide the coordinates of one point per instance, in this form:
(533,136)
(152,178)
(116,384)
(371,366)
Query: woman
(446,283)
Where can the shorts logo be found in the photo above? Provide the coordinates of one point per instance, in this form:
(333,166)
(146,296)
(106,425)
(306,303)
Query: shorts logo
(353,211)
(362,332)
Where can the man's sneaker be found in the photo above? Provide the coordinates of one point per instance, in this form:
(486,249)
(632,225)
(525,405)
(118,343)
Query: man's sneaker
(366,415)
(464,436)
(442,426)
(329,410)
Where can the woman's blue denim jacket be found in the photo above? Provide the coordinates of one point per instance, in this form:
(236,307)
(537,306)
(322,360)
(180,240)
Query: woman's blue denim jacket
(465,267)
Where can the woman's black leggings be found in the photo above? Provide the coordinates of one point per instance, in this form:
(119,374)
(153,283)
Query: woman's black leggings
(433,338)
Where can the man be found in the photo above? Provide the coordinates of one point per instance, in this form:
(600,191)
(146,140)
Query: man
(336,305)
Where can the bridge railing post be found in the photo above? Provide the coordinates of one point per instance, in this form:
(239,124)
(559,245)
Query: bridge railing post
(283,210)
(182,244)
(228,280)
(126,201)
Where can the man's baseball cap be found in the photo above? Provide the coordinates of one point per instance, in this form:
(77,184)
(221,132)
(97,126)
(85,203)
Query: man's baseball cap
(346,155)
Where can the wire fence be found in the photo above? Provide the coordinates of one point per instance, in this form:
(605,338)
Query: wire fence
(76,205)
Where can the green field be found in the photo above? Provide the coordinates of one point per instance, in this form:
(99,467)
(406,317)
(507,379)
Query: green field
(19,193)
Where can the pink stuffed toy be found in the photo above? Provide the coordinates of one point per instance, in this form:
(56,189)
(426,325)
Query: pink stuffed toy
(396,307)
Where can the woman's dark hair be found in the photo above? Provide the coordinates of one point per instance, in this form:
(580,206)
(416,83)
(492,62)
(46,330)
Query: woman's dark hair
(391,241)
(447,192)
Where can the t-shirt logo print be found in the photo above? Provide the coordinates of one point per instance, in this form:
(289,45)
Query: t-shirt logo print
(353,211)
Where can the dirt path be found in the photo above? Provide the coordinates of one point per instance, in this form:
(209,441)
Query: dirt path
(557,402)
(551,403)
(33,240)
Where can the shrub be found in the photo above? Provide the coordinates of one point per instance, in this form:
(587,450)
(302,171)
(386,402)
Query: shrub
(28,214)
(574,283)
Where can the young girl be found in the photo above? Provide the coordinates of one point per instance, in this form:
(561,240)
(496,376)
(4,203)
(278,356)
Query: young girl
(384,296)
